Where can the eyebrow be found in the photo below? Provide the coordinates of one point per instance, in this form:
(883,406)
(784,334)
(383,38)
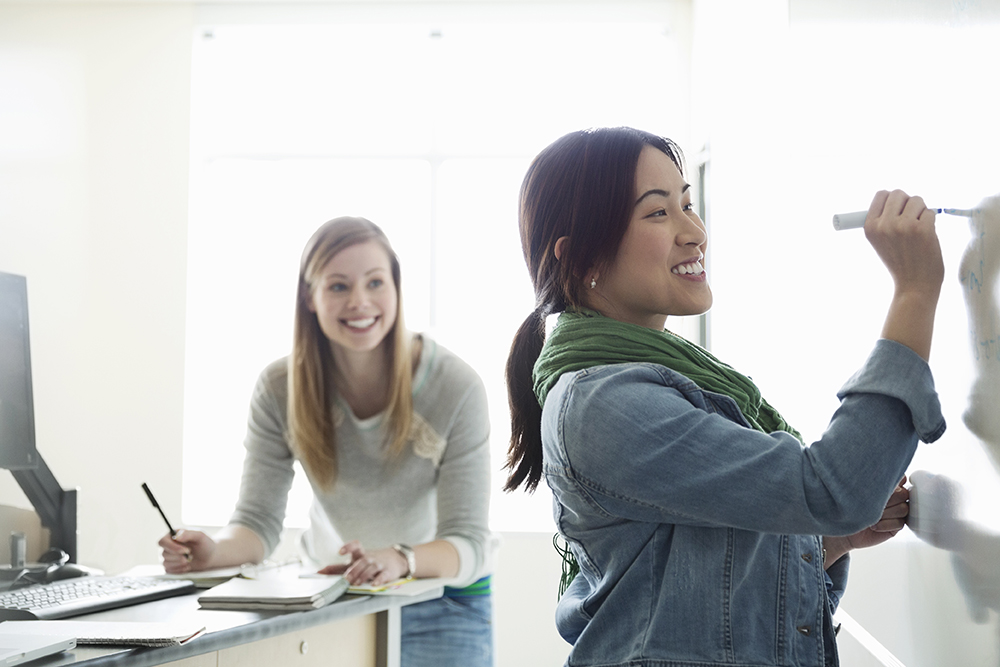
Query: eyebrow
(367,273)
(662,193)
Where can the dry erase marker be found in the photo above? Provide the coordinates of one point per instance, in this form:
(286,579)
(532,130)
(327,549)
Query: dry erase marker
(857,219)
(173,533)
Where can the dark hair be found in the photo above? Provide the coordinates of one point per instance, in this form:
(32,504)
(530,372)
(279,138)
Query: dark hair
(582,187)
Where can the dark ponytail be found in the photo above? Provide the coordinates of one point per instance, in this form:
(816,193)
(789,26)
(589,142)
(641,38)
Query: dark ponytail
(524,458)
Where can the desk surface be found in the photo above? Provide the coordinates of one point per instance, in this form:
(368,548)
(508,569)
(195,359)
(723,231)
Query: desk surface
(224,629)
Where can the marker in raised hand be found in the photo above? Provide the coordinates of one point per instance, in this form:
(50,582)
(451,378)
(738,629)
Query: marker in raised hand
(856,219)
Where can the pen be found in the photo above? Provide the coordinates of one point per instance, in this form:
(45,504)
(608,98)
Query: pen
(173,533)
(149,493)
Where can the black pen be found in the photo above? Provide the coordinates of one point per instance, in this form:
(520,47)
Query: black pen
(173,533)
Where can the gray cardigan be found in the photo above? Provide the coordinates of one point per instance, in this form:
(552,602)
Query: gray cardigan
(437,489)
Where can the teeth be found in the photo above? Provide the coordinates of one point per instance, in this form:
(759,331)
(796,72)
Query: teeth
(360,324)
(695,268)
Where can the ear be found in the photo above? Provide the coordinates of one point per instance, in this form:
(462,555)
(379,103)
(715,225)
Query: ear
(560,246)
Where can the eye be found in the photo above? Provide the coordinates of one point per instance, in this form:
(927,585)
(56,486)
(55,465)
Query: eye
(658,213)
(376,283)
(337,287)
(689,206)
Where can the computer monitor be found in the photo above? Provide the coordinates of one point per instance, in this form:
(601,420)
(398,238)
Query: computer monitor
(17,416)
(55,506)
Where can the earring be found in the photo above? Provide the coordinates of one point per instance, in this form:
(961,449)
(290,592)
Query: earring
(593,283)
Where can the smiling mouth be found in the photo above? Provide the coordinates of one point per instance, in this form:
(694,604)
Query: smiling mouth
(692,268)
(360,323)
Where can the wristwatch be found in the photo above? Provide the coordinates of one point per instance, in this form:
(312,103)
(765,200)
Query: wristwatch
(406,551)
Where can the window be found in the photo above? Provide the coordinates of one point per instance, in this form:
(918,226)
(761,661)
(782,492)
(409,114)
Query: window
(427,130)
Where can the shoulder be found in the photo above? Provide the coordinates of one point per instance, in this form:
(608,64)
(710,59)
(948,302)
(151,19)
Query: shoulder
(448,393)
(620,412)
(628,382)
(269,403)
(441,368)
(621,398)
(273,381)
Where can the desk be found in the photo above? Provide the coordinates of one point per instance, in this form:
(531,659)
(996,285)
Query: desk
(353,631)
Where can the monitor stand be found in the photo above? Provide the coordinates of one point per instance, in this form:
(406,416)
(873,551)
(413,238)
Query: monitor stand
(56,507)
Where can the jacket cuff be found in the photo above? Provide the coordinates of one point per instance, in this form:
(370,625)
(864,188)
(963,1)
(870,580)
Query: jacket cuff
(892,369)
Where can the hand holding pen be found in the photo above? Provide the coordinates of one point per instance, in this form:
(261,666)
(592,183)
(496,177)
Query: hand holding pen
(170,543)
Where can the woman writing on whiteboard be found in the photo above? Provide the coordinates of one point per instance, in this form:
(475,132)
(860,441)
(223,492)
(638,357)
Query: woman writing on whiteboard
(392,431)
(704,530)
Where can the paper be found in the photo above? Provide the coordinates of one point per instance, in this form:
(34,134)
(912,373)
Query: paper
(382,588)
(214,577)
(402,587)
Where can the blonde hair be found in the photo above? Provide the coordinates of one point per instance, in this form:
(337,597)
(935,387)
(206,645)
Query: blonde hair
(311,366)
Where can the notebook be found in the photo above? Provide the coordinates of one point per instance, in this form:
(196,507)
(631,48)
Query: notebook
(114,633)
(17,649)
(278,594)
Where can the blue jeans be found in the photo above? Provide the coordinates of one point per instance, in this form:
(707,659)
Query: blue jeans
(448,632)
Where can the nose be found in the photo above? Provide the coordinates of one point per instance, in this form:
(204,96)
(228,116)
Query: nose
(693,232)
(358,296)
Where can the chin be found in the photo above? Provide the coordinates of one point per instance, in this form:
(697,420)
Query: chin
(694,309)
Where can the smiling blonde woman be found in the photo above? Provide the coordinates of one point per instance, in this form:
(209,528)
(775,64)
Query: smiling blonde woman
(392,431)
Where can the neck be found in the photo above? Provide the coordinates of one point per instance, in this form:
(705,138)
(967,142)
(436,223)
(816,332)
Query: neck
(362,379)
(654,321)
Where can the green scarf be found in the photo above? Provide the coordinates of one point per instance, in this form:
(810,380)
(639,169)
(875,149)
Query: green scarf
(585,338)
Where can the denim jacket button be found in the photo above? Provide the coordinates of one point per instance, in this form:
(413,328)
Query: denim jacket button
(804,629)
(807,557)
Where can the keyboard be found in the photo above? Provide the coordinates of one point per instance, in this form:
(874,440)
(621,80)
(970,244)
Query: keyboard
(83,595)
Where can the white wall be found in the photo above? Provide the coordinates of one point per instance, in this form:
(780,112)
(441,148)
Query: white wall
(93,206)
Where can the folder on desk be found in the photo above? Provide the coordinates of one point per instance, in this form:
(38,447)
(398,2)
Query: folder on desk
(279,594)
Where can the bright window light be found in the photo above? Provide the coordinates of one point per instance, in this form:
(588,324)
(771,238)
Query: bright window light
(425,130)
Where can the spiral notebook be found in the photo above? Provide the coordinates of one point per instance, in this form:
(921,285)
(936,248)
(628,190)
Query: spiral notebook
(112,633)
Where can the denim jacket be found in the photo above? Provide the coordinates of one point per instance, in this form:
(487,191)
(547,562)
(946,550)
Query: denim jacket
(697,536)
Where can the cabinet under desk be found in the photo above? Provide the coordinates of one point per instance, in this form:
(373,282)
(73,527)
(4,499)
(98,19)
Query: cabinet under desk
(354,631)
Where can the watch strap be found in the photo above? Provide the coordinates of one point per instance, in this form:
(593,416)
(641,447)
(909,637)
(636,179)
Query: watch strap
(406,551)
